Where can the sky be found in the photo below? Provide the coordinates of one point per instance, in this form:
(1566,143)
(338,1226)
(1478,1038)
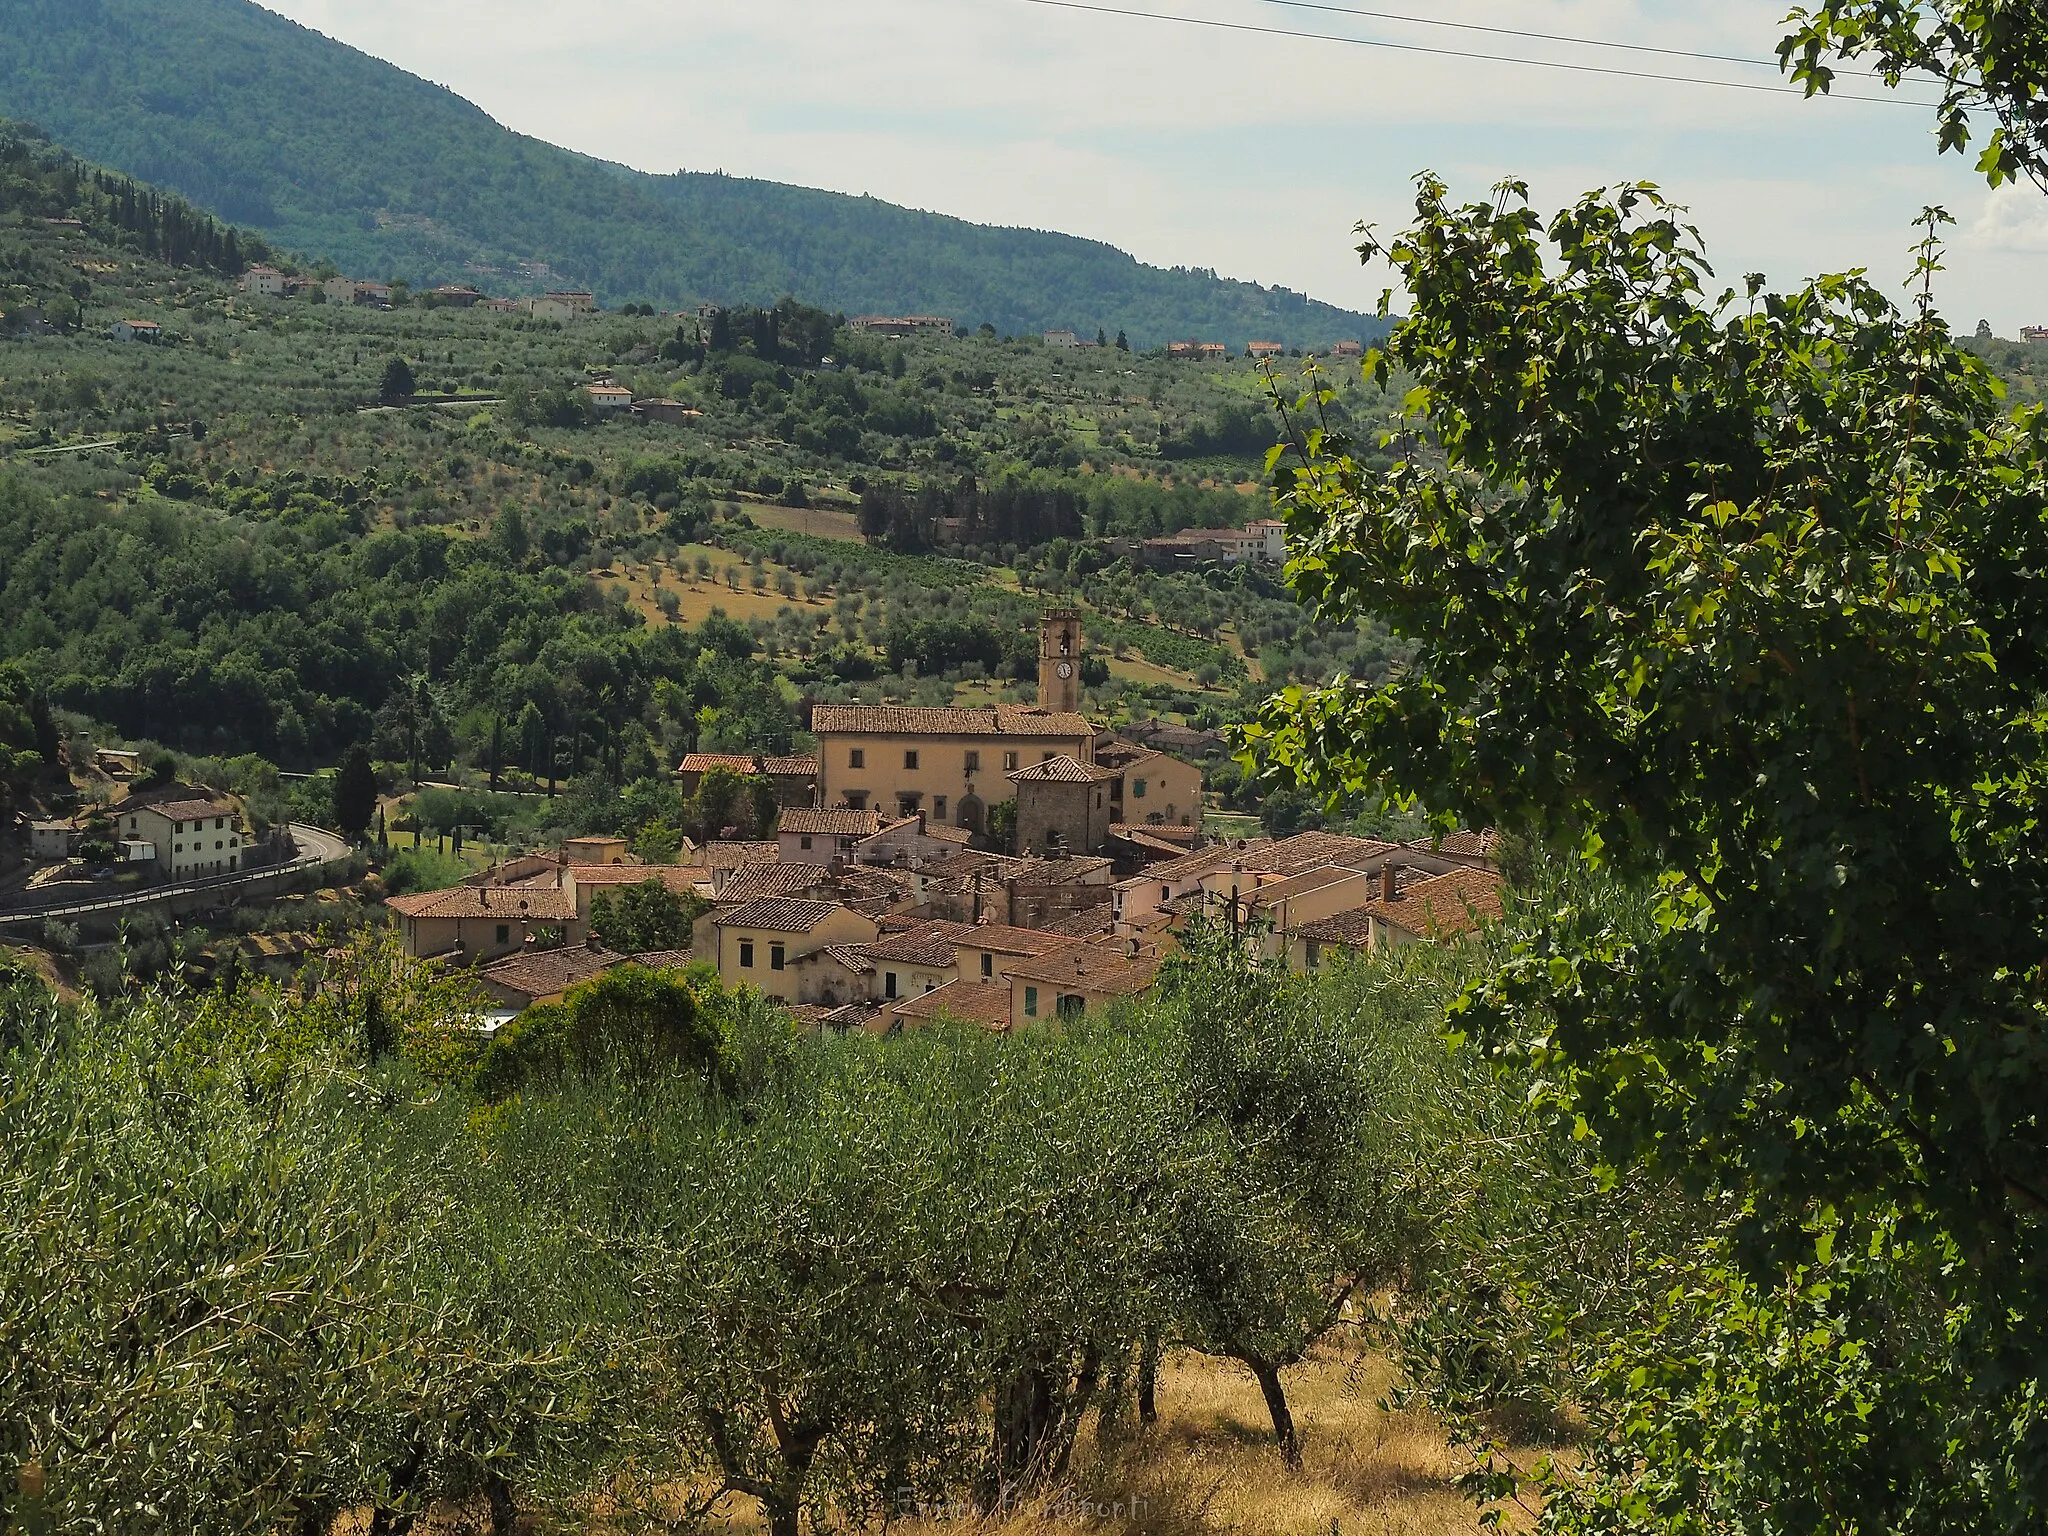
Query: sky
(1252,154)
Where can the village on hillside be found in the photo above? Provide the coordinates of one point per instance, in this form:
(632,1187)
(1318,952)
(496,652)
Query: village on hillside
(877,904)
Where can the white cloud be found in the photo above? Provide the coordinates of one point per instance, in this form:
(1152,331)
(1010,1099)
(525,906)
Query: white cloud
(2014,218)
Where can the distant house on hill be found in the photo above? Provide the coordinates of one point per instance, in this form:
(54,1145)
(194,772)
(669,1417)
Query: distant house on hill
(136,330)
(1196,351)
(1265,349)
(669,412)
(575,299)
(609,398)
(1348,349)
(1062,339)
(900,326)
(266,281)
(455,296)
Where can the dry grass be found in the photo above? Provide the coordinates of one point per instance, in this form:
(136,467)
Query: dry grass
(1209,1468)
(819,522)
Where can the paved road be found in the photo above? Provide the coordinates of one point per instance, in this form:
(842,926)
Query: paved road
(316,847)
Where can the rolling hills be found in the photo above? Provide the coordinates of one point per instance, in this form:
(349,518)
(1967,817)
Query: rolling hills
(329,151)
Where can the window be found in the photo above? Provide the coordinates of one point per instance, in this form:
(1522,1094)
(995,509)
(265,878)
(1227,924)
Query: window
(219,823)
(504,933)
(939,807)
(930,985)
(889,984)
(1137,789)
(1031,1002)
(856,758)
(974,762)
(777,957)
(1315,954)
(856,799)
(1166,893)
(181,848)
(910,759)
(1072,1005)
(747,954)
(806,842)
(1009,760)
(988,967)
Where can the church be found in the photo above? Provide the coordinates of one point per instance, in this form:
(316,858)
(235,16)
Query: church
(953,764)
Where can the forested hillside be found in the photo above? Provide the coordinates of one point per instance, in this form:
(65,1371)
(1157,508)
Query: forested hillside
(327,150)
(239,540)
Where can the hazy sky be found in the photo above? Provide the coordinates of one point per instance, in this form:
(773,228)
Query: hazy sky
(1251,154)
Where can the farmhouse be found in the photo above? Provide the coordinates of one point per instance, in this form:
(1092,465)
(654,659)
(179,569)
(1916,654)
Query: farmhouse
(606,399)
(267,281)
(948,762)
(484,922)
(136,330)
(192,836)
(758,942)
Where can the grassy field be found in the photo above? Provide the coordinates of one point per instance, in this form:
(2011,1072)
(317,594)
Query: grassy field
(1209,1468)
(819,522)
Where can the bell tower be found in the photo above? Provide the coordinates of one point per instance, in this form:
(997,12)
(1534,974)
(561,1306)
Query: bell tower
(1059,661)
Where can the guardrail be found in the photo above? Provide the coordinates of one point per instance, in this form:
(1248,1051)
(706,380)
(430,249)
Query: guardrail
(39,913)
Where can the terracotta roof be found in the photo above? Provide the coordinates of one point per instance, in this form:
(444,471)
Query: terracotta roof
(790,767)
(779,914)
(1054,871)
(665,960)
(1060,770)
(1445,907)
(534,903)
(1311,850)
(899,720)
(733,855)
(854,957)
(190,810)
(1353,927)
(829,821)
(1108,968)
(1149,838)
(1005,940)
(732,762)
(757,882)
(931,945)
(1276,891)
(971,1002)
(1087,923)
(544,972)
(1185,837)
(1471,845)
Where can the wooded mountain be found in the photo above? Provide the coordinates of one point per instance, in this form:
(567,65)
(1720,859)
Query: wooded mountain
(340,155)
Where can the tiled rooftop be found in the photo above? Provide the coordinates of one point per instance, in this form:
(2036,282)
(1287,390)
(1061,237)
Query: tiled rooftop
(530,903)
(902,720)
(778,914)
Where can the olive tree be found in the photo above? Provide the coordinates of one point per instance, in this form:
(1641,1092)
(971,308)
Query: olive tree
(1738,595)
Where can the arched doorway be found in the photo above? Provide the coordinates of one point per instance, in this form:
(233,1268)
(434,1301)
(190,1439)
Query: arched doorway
(972,813)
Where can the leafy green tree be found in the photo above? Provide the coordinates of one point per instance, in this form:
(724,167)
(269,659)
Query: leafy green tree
(355,793)
(630,1020)
(398,384)
(1738,597)
(1985,57)
(645,918)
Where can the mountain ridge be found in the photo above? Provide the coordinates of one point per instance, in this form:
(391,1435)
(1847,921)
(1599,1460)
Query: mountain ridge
(323,148)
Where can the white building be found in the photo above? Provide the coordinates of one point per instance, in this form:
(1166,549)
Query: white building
(136,330)
(267,281)
(1273,538)
(1062,339)
(608,398)
(191,837)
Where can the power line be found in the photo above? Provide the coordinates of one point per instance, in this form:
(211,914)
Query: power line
(1459,53)
(1546,37)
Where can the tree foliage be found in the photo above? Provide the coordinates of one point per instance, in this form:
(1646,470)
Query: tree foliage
(1985,55)
(1738,596)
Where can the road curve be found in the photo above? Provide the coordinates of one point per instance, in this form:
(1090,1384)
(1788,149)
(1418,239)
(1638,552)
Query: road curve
(316,847)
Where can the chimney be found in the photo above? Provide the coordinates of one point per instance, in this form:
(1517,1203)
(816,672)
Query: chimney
(1390,886)
(920,821)
(1131,947)
(593,943)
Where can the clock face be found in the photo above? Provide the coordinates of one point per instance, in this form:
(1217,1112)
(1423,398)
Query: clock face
(1066,669)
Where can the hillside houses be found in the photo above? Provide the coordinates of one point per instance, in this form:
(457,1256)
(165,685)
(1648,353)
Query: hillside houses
(879,904)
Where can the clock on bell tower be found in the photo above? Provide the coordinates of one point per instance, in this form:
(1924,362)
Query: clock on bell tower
(1059,661)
